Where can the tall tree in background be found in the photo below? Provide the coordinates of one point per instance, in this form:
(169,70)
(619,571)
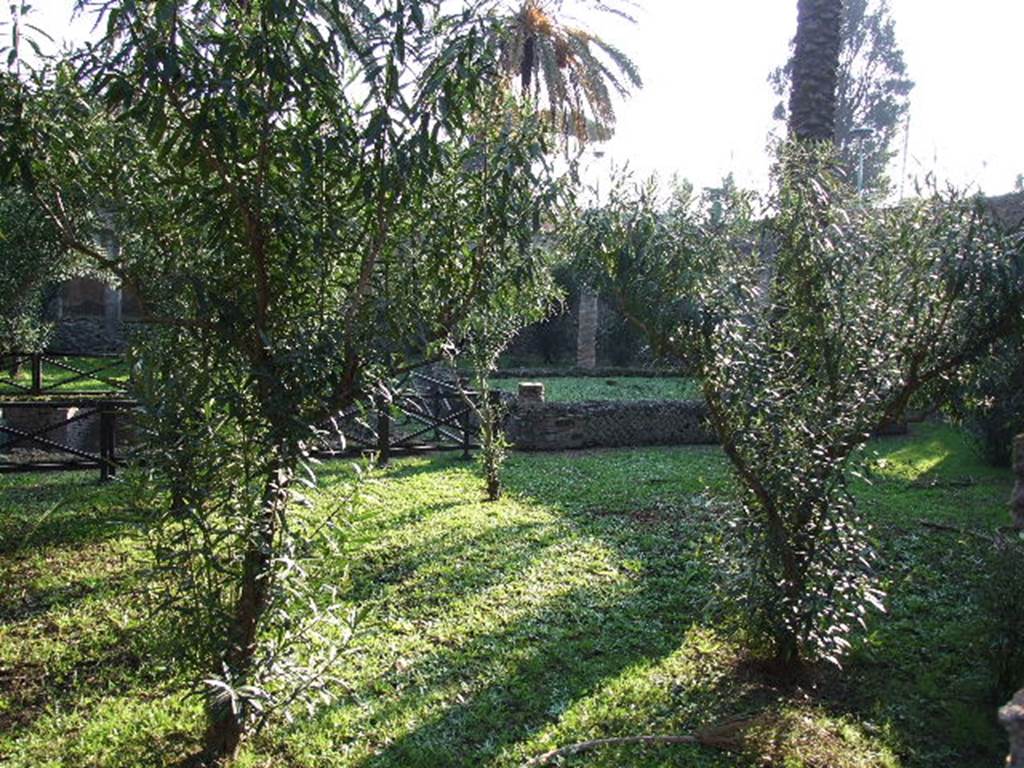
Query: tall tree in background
(873,89)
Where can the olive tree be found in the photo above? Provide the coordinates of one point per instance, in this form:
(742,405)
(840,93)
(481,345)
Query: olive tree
(811,322)
(483,336)
(286,182)
(485,329)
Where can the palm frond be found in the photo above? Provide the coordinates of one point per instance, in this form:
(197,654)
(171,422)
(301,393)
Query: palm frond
(622,62)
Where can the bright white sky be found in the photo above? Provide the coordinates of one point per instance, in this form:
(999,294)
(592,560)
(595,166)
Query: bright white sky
(706,106)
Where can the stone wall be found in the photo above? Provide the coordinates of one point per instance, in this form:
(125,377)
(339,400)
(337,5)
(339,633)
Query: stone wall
(555,341)
(82,434)
(610,424)
(550,426)
(89,335)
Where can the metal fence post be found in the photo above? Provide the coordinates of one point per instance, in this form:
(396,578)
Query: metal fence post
(107,467)
(37,373)
(436,415)
(383,432)
(464,423)
(1017,499)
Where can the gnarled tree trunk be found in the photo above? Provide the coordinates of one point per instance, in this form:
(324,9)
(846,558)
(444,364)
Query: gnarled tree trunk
(226,722)
(1012,719)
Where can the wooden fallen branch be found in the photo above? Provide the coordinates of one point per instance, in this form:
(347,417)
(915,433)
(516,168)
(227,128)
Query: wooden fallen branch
(954,529)
(728,736)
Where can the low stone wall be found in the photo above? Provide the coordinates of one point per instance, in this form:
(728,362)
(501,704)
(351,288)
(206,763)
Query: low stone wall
(549,426)
(83,434)
(609,424)
(594,373)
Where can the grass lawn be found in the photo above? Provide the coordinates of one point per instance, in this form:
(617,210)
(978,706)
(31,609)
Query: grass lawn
(58,379)
(578,607)
(568,389)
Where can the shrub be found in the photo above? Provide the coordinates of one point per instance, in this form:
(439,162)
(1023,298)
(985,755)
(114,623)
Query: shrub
(991,400)
(1003,609)
(812,321)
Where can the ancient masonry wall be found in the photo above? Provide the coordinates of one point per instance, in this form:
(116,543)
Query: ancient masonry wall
(539,426)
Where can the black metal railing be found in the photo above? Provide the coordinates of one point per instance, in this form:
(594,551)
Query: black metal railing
(46,426)
(419,413)
(46,435)
(59,373)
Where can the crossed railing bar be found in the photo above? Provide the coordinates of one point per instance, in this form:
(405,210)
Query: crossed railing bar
(435,425)
(442,410)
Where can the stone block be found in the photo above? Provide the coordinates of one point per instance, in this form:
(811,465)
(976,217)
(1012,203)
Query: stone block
(1011,717)
(562,426)
(531,391)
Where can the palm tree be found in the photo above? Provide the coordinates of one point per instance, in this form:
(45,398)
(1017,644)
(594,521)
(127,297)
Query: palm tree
(575,72)
(873,89)
(812,100)
(567,69)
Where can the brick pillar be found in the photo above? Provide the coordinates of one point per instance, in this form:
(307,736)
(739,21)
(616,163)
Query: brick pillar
(586,332)
(1012,719)
(1017,499)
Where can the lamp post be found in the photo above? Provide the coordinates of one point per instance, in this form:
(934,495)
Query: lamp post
(860,134)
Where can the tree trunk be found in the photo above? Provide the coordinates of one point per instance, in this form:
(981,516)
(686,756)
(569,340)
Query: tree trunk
(812,98)
(226,722)
(526,65)
(786,640)
(493,485)
(586,333)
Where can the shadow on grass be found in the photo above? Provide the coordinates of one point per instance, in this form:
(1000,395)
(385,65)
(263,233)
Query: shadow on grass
(40,511)
(917,673)
(400,467)
(382,569)
(479,690)
(23,604)
(98,665)
(72,607)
